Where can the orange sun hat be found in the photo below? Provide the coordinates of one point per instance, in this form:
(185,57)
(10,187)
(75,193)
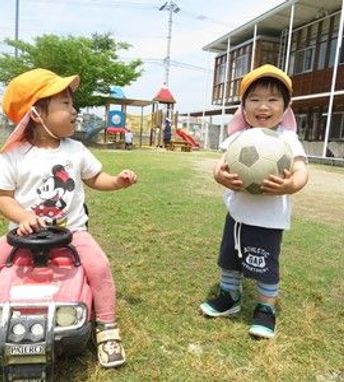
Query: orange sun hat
(24,91)
(265,71)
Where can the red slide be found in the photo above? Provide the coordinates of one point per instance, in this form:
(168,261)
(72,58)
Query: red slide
(187,138)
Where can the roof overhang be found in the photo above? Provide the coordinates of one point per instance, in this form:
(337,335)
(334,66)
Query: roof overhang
(125,101)
(274,21)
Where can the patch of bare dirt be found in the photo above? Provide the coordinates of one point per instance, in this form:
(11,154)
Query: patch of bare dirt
(322,198)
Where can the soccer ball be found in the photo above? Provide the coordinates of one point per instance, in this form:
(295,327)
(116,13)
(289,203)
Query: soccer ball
(257,153)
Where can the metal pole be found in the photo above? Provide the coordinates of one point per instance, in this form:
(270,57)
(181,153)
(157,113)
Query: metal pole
(204,129)
(334,79)
(222,127)
(171,7)
(290,31)
(16,31)
(168,53)
(253,56)
(141,126)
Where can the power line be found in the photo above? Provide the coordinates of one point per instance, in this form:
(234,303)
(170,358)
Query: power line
(178,64)
(87,3)
(184,65)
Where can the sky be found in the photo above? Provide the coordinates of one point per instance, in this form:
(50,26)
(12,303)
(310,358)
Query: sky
(145,27)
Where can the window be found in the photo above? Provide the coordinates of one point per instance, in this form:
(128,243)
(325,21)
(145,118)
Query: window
(341,55)
(220,71)
(337,128)
(320,36)
(240,66)
(301,120)
(291,64)
(333,46)
(269,52)
(322,55)
(302,60)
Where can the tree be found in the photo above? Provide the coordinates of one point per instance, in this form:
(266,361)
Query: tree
(95,59)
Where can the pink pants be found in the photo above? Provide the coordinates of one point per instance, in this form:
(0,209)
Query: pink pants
(98,271)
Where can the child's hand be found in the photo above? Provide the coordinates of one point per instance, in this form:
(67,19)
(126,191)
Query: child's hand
(126,178)
(293,181)
(30,224)
(276,185)
(226,178)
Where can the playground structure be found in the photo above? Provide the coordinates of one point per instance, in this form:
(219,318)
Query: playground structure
(116,122)
(181,139)
(163,97)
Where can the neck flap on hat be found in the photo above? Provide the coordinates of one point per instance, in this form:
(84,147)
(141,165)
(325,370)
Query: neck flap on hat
(238,121)
(17,135)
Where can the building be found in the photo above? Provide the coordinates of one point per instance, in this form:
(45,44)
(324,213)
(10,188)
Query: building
(305,39)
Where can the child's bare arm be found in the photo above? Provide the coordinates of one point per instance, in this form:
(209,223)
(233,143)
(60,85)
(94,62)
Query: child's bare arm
(107,182)
(293,181)
(12,210)
(223,176)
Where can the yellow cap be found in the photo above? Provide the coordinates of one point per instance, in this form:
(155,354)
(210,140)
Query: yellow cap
(265,71)
(24,91)
(27,88)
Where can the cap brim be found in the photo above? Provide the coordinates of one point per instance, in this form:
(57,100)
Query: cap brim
(62,84)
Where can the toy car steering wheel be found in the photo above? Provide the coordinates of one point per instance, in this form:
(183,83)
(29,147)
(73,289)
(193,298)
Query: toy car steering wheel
(41,240)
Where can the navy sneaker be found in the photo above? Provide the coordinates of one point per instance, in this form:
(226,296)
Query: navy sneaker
(222,305)
(264,322)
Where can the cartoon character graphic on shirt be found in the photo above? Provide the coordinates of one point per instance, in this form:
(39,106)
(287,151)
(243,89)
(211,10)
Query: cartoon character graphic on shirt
(52,195)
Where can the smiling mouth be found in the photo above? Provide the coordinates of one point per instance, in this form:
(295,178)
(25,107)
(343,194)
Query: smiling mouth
(263,117)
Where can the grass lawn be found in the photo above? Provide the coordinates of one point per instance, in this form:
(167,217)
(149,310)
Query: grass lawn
(162,237)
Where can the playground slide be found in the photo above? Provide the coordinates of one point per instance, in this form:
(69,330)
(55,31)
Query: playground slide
(91,132)
(187,138)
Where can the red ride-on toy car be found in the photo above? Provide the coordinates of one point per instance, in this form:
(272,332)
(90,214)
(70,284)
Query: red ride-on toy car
(45,304)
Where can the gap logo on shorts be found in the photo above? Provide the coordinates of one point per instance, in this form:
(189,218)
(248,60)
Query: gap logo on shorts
(255,259)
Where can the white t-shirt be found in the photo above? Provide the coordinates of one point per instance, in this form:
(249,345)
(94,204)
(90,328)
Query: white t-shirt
(128,137)
(264,210)
(48,182)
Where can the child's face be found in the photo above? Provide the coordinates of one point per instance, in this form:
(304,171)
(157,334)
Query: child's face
(264,107)
(61,115)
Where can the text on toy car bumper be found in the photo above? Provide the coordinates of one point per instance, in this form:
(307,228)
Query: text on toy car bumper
(26,349)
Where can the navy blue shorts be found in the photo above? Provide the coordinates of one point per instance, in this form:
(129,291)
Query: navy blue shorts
(260,249)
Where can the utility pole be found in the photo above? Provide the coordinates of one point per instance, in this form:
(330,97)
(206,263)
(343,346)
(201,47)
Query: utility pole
(16,29)
(171,7)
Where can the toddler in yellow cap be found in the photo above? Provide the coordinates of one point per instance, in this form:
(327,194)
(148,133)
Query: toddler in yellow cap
(255,223)
(41,183)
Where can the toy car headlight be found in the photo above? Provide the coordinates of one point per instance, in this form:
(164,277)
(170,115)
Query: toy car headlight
(38,331)
(18,329)
(70,315)
(18,332)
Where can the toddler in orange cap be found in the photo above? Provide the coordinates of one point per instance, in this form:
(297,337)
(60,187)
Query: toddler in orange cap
(41,183)
(255,223)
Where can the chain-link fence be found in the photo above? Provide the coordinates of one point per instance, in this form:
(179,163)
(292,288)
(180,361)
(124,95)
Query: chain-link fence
(5,128)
